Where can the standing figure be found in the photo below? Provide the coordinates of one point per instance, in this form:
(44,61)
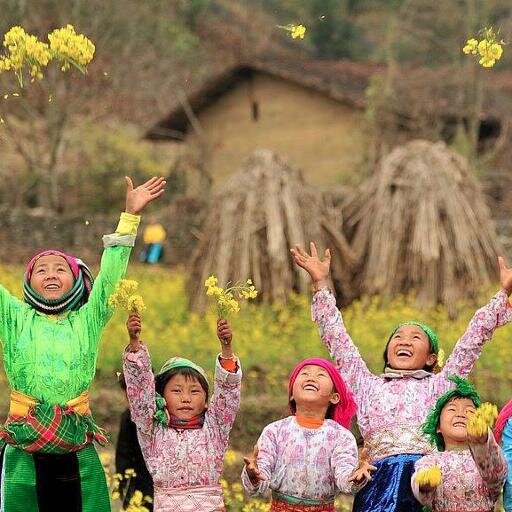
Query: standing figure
(308,458)
(392,406)
(183,437)
(50,344)
(468,472)
(153,236)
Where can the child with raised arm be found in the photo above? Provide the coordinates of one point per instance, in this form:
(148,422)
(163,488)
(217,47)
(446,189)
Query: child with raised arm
(50,343)
(468,472)
(183,437)
(392,406)
(306,459)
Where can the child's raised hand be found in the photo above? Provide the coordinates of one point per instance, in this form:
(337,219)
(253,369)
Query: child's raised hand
(505,275)
(251,466)
(317,269)
(224,332)
(134,326)
(137,198)
(363,472)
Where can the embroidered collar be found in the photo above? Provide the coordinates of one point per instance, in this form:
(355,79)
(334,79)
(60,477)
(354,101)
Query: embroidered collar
(391,373)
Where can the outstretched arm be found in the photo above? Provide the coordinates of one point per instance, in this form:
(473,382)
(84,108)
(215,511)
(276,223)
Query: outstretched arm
(424,493)
(11,313)
(491,463)
(225,401)
(258,470)
(330,322)
(140,381)
(496,313)
(117,251)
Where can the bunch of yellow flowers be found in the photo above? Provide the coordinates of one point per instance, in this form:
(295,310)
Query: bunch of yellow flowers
(225,298)
(26,51)
(488,49)
(429,476)
(70,48)
(482,420)
(124,297)
(295,31)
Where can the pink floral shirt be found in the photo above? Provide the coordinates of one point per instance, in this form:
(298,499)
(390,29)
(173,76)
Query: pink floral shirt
(391,410)
(186,465)
(471,479)
(312,464)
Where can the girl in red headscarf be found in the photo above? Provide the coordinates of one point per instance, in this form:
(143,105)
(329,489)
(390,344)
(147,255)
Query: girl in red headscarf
(306,459)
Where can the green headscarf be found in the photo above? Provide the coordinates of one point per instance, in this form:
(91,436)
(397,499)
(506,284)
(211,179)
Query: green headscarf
(181,362)
(432,336)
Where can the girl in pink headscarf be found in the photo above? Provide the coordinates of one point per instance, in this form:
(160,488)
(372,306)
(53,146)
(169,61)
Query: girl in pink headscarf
(306,459)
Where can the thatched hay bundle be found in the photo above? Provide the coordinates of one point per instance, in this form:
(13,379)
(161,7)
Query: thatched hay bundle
(421,223)
(254,220)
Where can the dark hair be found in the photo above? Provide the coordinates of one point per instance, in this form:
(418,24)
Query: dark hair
(122,381)
(189,373)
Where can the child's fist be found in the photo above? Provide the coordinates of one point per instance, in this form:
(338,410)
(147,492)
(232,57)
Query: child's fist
(251,466)
(224,332)
(134,326)
(429,479)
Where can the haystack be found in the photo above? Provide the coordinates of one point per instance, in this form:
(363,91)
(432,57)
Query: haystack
(421,223)
(254,220)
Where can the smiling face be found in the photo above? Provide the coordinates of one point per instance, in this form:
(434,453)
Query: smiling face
(409,349)
(313,387)
(51,277)
(453,421)
(184,396)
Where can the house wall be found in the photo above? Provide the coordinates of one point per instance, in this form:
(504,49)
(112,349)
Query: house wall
(321,136)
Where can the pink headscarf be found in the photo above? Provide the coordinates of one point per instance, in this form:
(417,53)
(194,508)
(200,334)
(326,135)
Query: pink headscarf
(71,261)
(503,417)
(345,409)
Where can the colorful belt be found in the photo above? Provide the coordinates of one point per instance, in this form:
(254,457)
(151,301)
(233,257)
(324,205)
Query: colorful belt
(21,404)
(285,503)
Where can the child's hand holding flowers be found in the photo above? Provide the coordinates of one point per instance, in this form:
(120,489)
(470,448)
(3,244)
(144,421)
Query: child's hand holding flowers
(429,478)
(134,327)
(480,422)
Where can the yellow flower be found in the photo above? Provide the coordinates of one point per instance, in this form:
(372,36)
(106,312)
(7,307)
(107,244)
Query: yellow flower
(230,457)
(471,46)
(226,302)
(211,281)
(71,48)
(482,420)
(297,31)
(429,476)
(135,304)
(124,297)
(488,49)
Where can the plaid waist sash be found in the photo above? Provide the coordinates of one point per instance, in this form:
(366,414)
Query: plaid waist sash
(35,426)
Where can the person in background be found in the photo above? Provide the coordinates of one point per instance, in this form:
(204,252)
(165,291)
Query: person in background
(153,236)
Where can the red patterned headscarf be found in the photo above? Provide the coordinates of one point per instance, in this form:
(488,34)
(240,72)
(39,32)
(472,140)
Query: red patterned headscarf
(344,410)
